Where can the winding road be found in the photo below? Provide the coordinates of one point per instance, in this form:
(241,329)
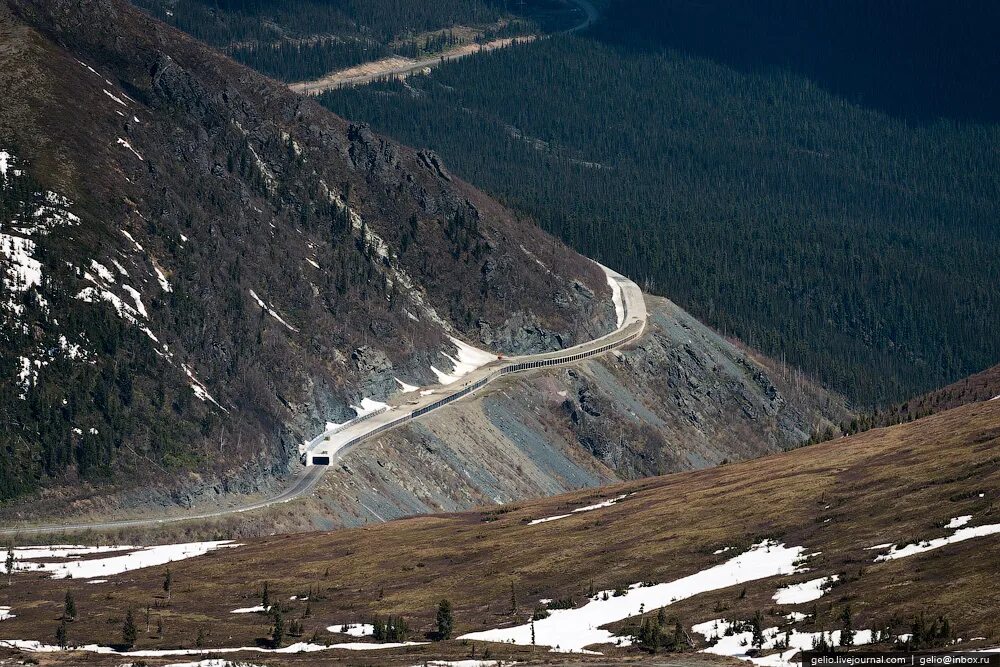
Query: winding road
(403,408)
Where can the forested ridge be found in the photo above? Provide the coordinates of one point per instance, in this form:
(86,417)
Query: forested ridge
(921,59)
(858,245)
(309,38)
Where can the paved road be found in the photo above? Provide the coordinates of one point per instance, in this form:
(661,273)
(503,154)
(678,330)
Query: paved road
(336,443)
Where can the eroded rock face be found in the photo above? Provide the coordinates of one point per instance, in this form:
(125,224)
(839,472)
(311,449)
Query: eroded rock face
(682,398)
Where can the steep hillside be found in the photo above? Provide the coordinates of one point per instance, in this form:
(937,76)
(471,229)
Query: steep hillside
(681,398)
(201,269)
(784,543)
(311,38)
(856,245)
(983,386)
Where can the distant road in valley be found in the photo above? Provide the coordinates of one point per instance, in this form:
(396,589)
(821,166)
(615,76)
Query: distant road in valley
(399,67)
(403,408)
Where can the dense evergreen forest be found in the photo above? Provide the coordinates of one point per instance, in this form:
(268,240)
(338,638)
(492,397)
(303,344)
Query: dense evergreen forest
(921,59)
(309,38)
(859,245)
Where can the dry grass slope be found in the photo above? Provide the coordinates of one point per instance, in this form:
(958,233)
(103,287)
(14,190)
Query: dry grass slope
(887,485)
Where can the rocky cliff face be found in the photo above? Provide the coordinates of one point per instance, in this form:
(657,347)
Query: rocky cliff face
(682,398)
(200,269)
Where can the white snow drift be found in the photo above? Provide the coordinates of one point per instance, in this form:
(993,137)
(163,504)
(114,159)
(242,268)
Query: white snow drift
(959,535)
(738,643)
(72,565)
(33,646)
(469,359)
(807,591)
(588,508)
(574,629)
(353,629)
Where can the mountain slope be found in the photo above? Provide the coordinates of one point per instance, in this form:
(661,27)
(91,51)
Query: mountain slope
(983,386)
(837,508)
(857,246)
(202,269)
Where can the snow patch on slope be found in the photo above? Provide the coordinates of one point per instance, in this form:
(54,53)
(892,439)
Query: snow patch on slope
(573,629)
(271,311)
(807,591)
(738,644)
(588,508)
(406,388)
(353,629)
(34,646)
(27,559)
(469,359)
(369,406)
(122,142)
(959,535)
(616,298)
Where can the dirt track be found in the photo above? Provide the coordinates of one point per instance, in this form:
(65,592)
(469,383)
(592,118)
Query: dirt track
(398,67)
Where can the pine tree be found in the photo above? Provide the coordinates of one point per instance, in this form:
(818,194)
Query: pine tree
(168,582)
(847,627)
(265,597)
(278,629)
(159,626)
(757,626)
(9,565)
(61,639)
(446,620)
(308,612)
(679,639)
(129,631)
(513,600)
(69,607)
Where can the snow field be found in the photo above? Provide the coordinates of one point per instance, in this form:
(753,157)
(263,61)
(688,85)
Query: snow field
(571,630)
(25,559)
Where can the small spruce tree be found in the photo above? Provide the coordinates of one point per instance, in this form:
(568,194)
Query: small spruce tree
(9,565)
(847,627)
(129,631)
(446,620)
(278,629)
(69,607)
(61,634)
(168,582)
(757,626)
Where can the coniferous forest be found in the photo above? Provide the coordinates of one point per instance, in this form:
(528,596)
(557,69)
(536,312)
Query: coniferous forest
(309,38)
(815,222)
